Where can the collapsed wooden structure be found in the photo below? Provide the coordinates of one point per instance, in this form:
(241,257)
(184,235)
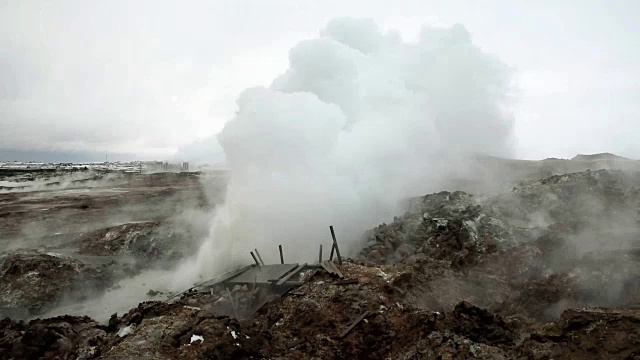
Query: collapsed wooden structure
(243,291)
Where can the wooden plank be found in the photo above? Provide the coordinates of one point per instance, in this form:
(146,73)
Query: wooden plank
(229,274)
(310,275)
(358,320)
(295,271)
(295,343)
(259,257)
(346,282)
(254,258)
(287,273)
(335,244)
(303,281)
(295,283)
(337,271)
(263,274)
(224,277)
(327,268)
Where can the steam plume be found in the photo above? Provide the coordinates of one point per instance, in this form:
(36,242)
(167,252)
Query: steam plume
(359,120)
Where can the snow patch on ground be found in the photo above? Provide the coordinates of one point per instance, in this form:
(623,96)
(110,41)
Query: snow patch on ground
(125,331)
(195,338)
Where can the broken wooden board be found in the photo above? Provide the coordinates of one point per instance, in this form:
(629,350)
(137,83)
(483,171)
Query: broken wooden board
(295,343)
(354,324)
(336,270)
(261,274)
(209,283)
(327,268)
(291,274)
(347,281)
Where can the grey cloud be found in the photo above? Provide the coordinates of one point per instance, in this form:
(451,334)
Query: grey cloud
(165,73)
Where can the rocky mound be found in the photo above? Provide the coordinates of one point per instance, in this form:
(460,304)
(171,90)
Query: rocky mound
(587,334)
(146,241)
(454,226)
(325,319)
(319,321)
(65,337)
(32,282)
(530,253)
(459,226)
(572,198)
(133,238)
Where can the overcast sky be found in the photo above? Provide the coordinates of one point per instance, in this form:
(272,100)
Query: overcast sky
(149,77)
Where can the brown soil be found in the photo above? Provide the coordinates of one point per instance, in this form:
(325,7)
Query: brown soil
(311,322)
(33,282)
(456,277)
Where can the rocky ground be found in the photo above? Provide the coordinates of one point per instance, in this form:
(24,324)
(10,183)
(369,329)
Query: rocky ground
(312,323)
(33,280)
(547,270)
(78,235)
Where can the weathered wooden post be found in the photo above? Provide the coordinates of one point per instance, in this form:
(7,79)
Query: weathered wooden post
(335,244)
(259,257)
(255,259)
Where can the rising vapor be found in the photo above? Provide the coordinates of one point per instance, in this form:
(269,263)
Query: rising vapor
(359,120)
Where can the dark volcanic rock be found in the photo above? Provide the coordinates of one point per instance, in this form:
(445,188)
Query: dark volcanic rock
(136,238)
(64,337)
(31,282)
(459,226)
(147,241)
(587,334)
(454,226)
(548,245)
(480,325)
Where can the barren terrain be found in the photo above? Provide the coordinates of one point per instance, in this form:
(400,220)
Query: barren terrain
(545,266)
(102,226)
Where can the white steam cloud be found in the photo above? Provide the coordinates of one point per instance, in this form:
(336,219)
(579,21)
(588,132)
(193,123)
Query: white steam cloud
(360,120)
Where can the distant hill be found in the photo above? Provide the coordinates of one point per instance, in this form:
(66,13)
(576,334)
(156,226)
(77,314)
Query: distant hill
(601,156)
(492,175)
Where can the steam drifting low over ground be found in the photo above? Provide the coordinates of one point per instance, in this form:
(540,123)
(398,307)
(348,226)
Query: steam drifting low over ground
(69,235)
(359,120)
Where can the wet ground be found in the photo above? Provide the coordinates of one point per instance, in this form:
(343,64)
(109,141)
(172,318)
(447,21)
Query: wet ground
(51,217)
(114,224)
